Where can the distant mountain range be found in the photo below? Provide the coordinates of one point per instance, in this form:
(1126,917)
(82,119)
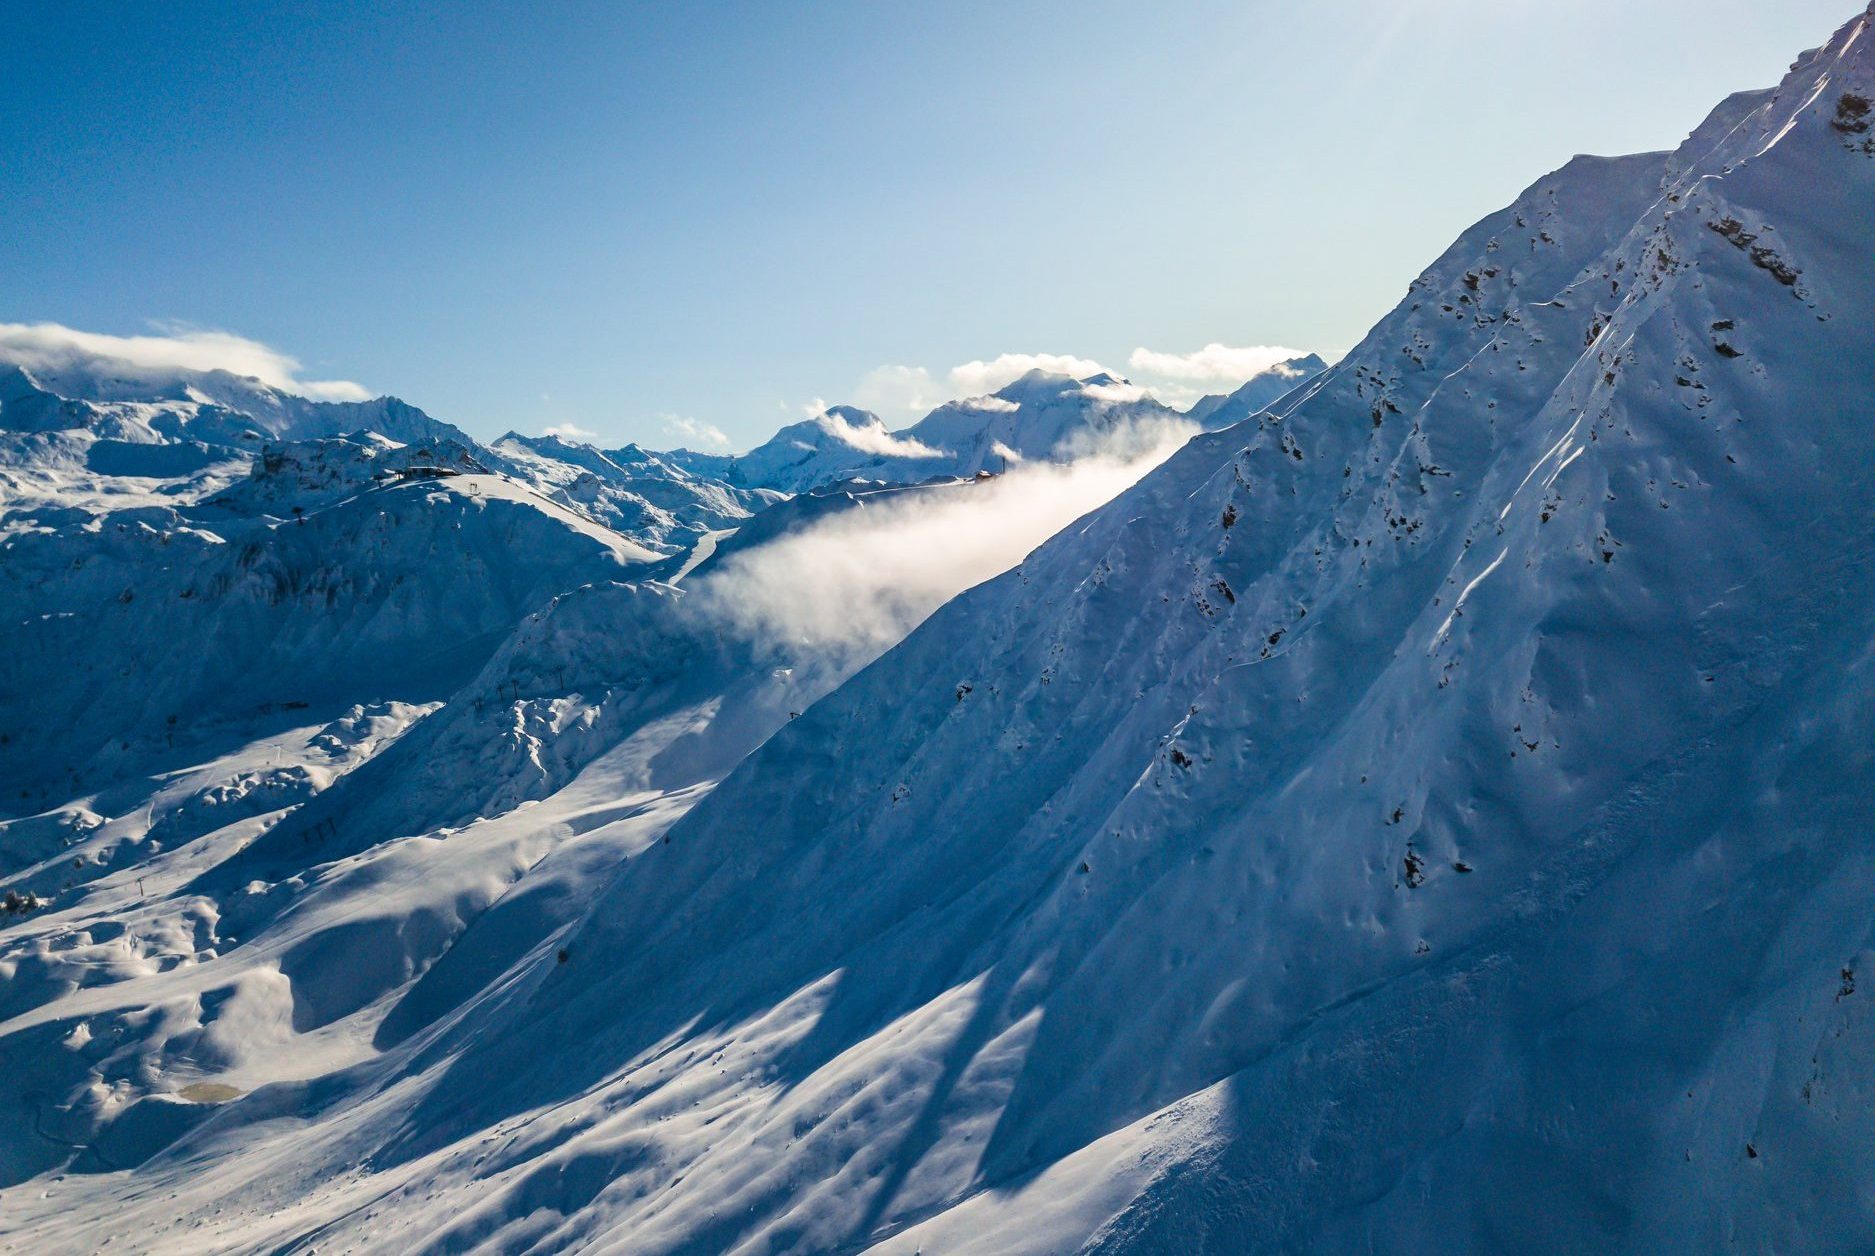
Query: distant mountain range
(81,433)
(1039,416)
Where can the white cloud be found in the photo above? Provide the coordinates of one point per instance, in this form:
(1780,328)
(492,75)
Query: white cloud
(977,377)
(911,392)
(1180,380)
(853,585)
(873,438)
(1132,438)
(155,359)
(974,378)
(1119,393)
(705,436)
(569,432)
(1213,364)
(900,391)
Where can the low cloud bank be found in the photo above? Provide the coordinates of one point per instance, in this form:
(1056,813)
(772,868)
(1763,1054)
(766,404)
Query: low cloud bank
(873,438)
(855,584)
(55,349)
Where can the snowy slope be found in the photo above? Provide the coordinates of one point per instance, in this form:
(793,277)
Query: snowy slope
(640,494)
(1429,815)
(138,628)
(76,437)
(329,893)
(185,399)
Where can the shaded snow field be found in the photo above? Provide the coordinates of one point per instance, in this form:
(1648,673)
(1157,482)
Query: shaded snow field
(311,903)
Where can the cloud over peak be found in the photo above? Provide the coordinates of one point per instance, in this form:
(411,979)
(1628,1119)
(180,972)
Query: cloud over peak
(873,438)
(1213,364)
(704,437)
(978,377)
(53,348)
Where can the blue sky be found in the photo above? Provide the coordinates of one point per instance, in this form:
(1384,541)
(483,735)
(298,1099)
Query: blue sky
(626,217)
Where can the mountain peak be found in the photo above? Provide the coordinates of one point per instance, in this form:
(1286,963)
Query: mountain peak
(852,416)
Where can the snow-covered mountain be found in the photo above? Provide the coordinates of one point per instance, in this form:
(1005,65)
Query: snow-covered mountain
(140,629)
(209,405)
(639,493)
(191,554)
(1040,416)
(88,436)
(841,443)
(1424,815)
(1257,393)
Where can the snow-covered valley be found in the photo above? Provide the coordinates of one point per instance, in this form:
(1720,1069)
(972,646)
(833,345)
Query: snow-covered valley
(1411,805)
